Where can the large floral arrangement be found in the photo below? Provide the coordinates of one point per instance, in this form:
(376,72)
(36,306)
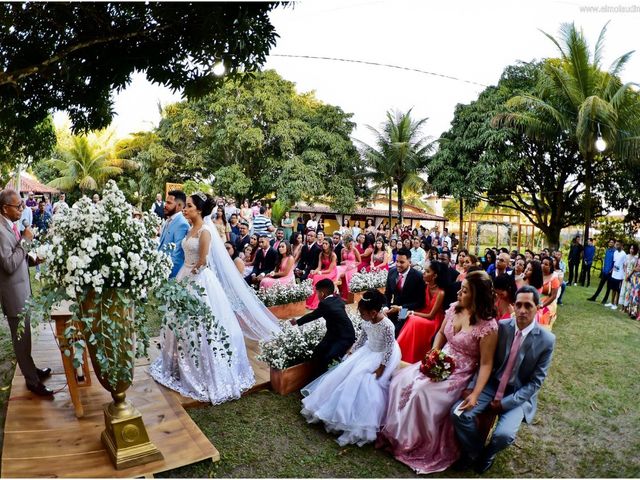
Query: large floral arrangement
(99,255)
(281,294)
(364,280)
(294,345)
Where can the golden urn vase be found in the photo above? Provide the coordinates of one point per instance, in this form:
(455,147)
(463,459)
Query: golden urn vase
(125,436)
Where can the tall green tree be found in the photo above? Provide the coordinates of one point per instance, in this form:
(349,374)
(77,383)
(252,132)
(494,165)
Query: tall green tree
(70,56)
(400,154)
(258,137)
(581,102)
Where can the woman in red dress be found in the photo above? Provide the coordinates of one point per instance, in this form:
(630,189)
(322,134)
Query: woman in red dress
(505,287)
(417,334)
(365,249)
(327,264)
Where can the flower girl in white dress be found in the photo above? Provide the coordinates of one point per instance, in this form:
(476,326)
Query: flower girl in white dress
(352,397)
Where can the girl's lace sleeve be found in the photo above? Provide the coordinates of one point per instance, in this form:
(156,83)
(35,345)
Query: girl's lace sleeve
(389,340)
(362,339)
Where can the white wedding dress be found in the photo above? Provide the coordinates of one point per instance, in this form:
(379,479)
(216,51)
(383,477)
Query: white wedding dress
(214,379)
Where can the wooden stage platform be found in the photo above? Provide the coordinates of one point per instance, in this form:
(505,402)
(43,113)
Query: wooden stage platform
(43,437)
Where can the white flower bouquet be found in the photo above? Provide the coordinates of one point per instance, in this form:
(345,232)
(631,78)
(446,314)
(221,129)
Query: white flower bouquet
(294,345)
(280,294)
(107,264)
(364,280)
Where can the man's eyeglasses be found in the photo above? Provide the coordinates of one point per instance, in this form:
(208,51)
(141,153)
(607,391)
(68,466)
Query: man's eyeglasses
(20,206)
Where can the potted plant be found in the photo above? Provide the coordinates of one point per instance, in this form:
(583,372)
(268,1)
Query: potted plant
(107,264)
(286,300)
(288,354)
(363,281)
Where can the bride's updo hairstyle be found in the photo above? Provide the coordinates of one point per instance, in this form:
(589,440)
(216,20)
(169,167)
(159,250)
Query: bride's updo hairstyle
(203,202)
(371,301)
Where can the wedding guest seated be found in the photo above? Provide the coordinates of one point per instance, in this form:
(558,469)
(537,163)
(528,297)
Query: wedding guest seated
(365,249)
(338,245)
(296,246)
(350,259)
(283,273)
(237,261)
(380,256)
(470,261)
(264,262)
(326,268)
(518,271)
(451,291)
(520,366)
(550,288)
(418,429)
(505,288)
(501,266)
(352,397)
(308,257)
(404,290)
(416,336)
(275,242)
(243,237)
(340,333)
(418,255)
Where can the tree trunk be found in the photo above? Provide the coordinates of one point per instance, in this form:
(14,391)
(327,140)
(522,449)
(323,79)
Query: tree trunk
(400,203)
(390,206)
(587,196)
(552,235)
(461,238)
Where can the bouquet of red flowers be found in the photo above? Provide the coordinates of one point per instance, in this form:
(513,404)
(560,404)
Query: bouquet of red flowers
(437,365)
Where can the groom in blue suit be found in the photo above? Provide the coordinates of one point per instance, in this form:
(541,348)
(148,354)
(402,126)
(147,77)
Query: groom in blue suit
(520,365)
(175,228)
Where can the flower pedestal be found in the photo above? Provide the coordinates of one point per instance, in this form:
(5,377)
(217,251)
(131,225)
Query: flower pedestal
(289,310)
(291,379)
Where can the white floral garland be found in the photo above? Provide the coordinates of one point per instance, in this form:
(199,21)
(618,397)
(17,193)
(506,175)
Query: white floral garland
(281,294)
(363,281)
(294,345)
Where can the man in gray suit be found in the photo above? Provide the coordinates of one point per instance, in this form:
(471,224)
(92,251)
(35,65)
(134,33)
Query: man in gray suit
(15,287)
(520,365)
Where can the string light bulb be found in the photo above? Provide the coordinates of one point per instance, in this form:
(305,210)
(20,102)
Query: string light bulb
(601,145)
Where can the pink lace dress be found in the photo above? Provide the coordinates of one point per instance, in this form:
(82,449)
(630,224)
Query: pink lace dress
(418,430)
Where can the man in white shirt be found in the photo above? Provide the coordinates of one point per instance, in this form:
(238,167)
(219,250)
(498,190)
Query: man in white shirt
(418,255)
(312,224)
(26,219)
(445,239)
(617,275)
(60,203)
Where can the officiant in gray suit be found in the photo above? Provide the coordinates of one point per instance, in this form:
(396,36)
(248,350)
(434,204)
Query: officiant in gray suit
(15,287)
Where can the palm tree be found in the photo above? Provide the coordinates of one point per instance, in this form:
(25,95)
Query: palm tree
(580,100)
(400,154)
(87,162)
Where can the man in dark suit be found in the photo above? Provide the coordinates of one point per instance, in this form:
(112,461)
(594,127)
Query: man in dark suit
(309,255)
(520,366)
(405,289)
(275,243)
(453,286)
(265,261)
(340,334)
(337,245)
(243,238)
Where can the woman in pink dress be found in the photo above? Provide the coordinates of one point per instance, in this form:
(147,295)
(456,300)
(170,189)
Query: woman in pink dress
(417,333)
(326,269)
(418,430)
(283,273)
(380,256)
(350,258)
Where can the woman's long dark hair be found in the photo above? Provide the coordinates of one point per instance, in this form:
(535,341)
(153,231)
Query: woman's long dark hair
(280,257)
(536,279)
(234,255)
(482,297)
(440,269)
(507,283)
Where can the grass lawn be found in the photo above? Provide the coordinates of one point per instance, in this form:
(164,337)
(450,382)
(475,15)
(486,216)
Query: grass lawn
(587,422)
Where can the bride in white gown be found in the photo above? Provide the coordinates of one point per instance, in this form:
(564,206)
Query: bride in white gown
(235,307)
